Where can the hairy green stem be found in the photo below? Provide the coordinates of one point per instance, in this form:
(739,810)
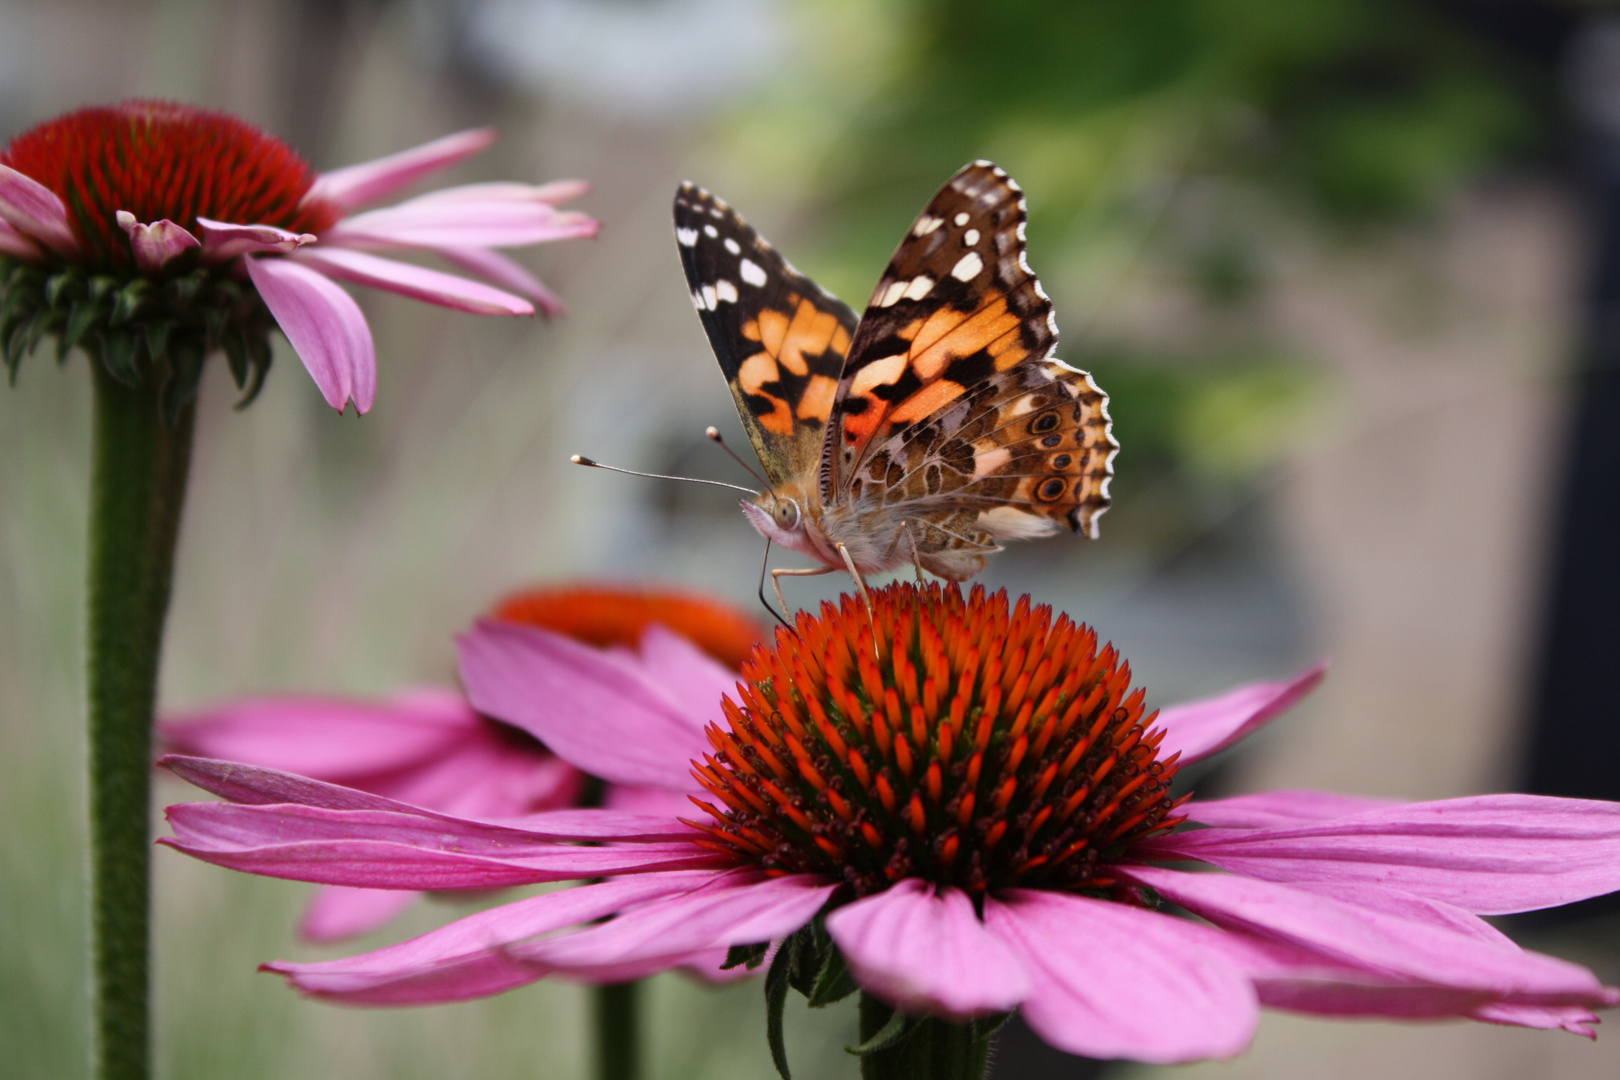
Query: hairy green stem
(138,485)
(617,1021)
(933,1050)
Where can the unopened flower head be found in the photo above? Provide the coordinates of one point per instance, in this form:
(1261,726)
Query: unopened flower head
(975,747)
(151,234)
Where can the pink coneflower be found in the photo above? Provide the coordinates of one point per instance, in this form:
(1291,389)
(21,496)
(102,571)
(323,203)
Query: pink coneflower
(430,748)
(152,233)
(982,820)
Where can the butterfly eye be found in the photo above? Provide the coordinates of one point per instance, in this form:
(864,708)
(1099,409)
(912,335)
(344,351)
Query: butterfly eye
(786,513)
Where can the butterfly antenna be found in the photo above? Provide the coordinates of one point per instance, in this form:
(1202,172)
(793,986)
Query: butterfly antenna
(581,459)
(714,435)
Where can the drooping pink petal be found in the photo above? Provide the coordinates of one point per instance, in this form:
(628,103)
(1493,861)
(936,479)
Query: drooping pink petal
(595,708)
(1279,809)
(928,953)
(155,244)
(660,802)
(223,241)
(1489,854)
(417,282)
(740,908)
(690,677)
(428,223)
(356,185)
(377,850)
(16,245)
(1115,981)
(508,273)
(469,958)
(332,739)
(36,211)
(325,327)
(252,785)
(1386,945)
(557,191)
(1571,1018)
(338,912)
(1198,729)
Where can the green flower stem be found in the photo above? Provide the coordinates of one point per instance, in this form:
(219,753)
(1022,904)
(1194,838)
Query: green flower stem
(617,1023)
(933,1050)
(138,484)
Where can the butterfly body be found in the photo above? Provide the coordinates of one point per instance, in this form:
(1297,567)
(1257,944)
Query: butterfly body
(927,431)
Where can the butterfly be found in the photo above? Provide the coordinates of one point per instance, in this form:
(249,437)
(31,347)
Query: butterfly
(930,429)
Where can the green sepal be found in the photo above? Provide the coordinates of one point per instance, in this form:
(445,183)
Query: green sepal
(898,1027)
(81,316)
(186,355)
(181,291)
(157,337)
(100,287)
(776,988)
(119,355)
(748,956)
(833,982)
(21,336)
(130,299)
(61,284)
(259,354)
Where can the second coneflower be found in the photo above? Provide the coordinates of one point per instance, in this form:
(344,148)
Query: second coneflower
(958,807)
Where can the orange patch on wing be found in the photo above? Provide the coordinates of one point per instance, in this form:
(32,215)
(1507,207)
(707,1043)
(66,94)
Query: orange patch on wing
(810,333)
(817,402)
(773,326)
(756,371)
(863,425)
(965,339)
(779,421)
(925,402)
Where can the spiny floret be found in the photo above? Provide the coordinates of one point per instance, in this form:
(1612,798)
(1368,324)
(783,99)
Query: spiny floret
(972,745)
(159,160)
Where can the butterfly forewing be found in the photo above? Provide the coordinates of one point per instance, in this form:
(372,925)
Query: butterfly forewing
(956,305)
(780,339)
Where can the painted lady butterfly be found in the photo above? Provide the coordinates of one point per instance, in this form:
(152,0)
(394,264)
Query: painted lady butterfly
(932,428)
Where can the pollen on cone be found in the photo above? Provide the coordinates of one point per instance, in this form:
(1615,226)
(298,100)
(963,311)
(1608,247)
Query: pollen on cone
(986,746)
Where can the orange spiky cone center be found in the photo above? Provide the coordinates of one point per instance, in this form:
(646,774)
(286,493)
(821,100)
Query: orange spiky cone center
(161,160)
(975,745)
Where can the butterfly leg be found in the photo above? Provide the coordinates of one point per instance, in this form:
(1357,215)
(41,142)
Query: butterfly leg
(916,558)
(781,572)
(855,572)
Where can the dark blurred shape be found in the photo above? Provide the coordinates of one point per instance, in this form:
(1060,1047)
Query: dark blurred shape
(1020,1054)
(1574,743)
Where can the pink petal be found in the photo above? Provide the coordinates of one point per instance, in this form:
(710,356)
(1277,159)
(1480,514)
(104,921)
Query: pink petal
(927,953)
(223,241)
(338,913)
(256,786)
(1279,809)
(373,850)
(414,281)
(36,211)
(356,185)
(687,674)
(325,327)
(597,709)
(660,802)
(1198,729)
(332,739)
(1490,854)
(428,223)
(1571,1018)
(557,191)
(741,908)
(506,272)
(155,244)
(1389,946)
(1115,981)
(17,245)
(469,958)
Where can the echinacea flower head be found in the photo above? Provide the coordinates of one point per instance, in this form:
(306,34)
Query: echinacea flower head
(427,746)
(152,233)
(961,807)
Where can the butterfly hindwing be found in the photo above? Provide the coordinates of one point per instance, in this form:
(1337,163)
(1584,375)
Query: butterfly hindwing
(956,305)
(781,340)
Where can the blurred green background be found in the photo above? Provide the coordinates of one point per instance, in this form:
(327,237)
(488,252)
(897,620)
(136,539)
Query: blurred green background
(1326,257)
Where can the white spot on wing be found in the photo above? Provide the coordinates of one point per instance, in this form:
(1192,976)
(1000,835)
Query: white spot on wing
(961,219)
(697,302)
(710,301)
(988,461)
(686,237)
(878,373)
(967,267)
(970,237)
(711,231)
(926,224)
(888,295)
(920,286)
(1011,523)
(731,246)
(725,291)
(751,272)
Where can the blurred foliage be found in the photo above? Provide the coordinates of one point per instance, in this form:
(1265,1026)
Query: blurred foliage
(1169,142)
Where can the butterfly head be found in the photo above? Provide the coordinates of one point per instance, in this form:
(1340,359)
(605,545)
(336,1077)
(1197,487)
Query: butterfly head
(782,517)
